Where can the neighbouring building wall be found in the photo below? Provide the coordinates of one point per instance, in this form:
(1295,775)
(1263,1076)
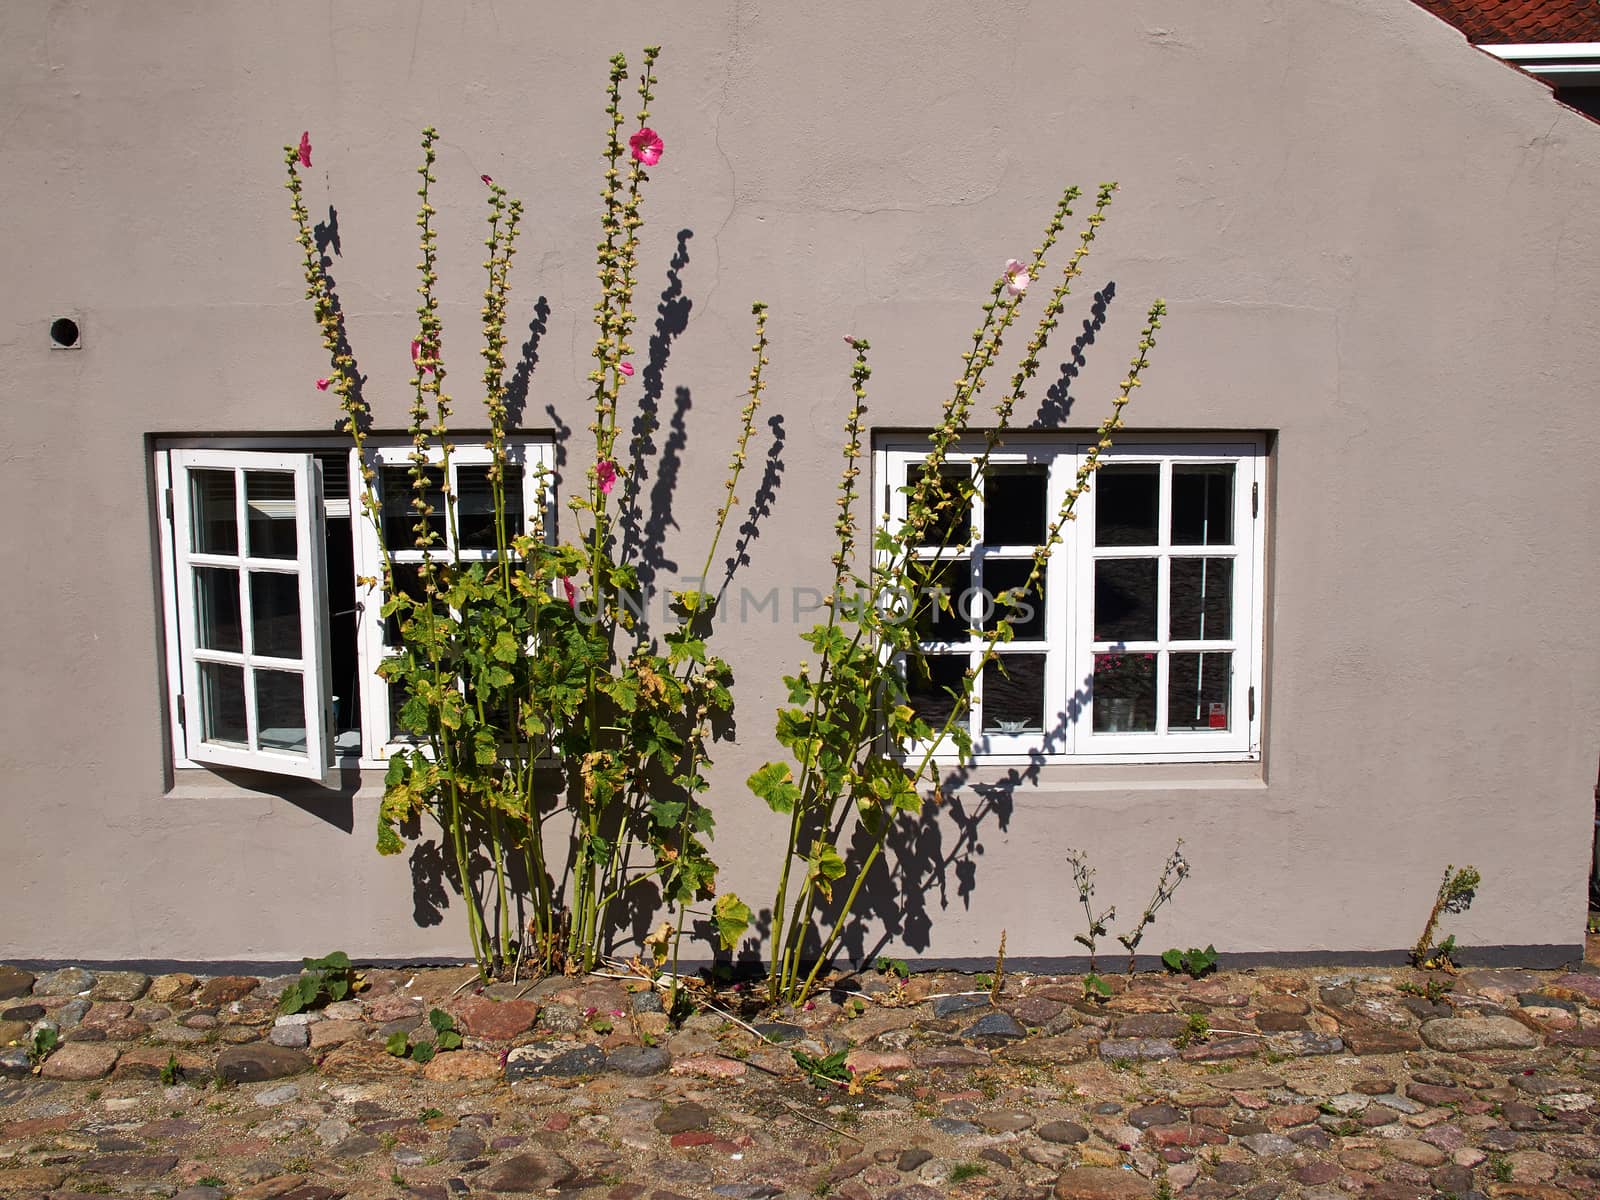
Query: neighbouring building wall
(1379,248)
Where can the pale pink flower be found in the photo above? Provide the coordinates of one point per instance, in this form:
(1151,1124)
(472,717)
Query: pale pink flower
(322,384)
(486,179)
(305,149)
(646,146)
(606,471)
(1017,278)
(625,367)
(417,355)
(572,592)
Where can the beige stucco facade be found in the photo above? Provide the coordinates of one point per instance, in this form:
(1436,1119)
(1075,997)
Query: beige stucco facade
(1379,248)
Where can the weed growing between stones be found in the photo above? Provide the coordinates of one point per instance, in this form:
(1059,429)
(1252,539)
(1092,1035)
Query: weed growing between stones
(1455,895)
(859,755)
(1173,872)
(538,654)
(322,981)
(1192,962)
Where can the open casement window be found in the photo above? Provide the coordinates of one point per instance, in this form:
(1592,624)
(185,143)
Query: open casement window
(471,537)
(250,588)
(1141,641)
(273,634)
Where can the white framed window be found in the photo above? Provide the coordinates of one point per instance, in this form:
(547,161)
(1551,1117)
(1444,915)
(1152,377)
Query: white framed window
(273,637)
(1143,642)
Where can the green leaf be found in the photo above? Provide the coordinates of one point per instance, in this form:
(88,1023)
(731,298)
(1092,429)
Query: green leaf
(440,1020)
(423,1052)
(397,1044)
(732,918)
(1093,983)
(774,783)
(388,840)
(825,867)
(449,1039)
(1172,959)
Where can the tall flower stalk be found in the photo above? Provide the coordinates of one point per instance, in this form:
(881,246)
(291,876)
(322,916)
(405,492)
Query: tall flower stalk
(859,754)
(507,664)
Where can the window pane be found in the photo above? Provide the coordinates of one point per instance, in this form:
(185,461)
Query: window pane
(1202,599)
(275,614)
(1127,501)
(1027,615)
(952,521)
(475,506)
(399,517)
(222,704)
(1202,505)
(269,500)
(1014,505)
(944,600)
(215,516)
(1198,689)
(1013,694)
(216,605)
(1125,600)
(930,680)
(1124,698)
(281,710)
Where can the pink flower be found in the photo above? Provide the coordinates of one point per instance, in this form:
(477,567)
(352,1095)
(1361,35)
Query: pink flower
(305,149)
(417,356)
(625,367)
(606,471)
(646,146)
(1017,279)
(322,384)
(485,178)
(572,592)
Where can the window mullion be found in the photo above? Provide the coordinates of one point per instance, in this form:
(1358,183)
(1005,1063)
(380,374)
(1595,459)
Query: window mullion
(246,602)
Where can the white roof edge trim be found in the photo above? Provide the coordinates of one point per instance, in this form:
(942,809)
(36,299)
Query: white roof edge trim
(1537,52)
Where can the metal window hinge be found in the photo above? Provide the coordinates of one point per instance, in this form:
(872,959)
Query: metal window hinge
(1255,500)
(1251,705)
(169,504)
(183,716)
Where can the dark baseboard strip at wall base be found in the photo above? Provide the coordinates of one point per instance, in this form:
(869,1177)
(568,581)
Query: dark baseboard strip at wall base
(1543,958)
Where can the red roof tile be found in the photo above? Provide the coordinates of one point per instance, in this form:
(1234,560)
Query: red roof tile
(1514,21)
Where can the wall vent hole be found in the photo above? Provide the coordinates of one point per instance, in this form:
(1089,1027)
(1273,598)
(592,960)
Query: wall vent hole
(64,333)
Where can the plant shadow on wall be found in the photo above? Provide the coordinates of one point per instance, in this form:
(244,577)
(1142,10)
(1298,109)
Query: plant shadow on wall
(540,651)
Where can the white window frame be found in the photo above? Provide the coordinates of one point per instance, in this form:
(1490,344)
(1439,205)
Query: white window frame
(1069,599)
(535,460)
(296,454)
(308,569)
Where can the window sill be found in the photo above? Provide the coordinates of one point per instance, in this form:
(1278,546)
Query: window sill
(1050,777)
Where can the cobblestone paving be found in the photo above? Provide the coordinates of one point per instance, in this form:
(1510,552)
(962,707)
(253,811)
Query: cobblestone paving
(1260,1084)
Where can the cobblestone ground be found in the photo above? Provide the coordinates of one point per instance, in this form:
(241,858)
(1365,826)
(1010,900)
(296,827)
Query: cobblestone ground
(1315,1082)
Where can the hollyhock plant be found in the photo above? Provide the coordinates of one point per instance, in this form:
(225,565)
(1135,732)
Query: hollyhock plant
(1017,279)
(417,355)
(305,149)
(322,384)
(646,146)
(606,471)
(626,368)
(486,179)
(572,592)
